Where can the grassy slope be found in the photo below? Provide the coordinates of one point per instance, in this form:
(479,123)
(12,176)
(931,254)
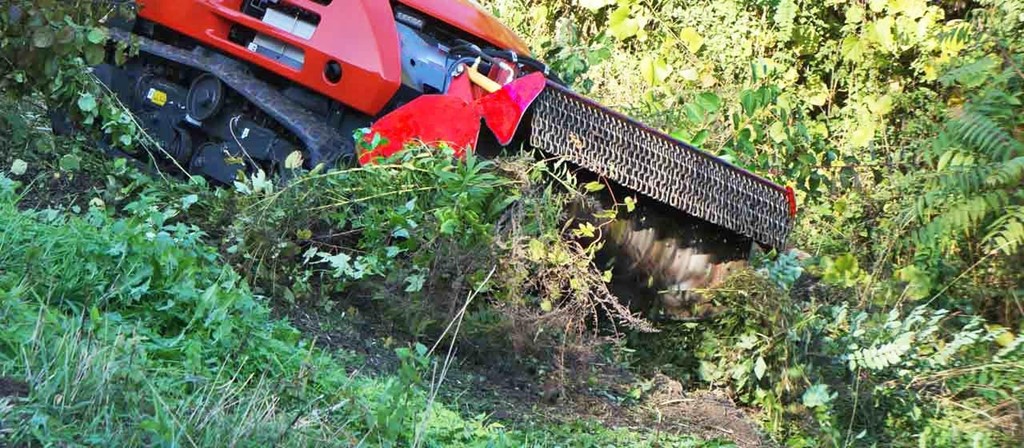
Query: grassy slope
(127,328)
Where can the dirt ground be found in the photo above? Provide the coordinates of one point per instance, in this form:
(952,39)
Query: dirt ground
(12,388)
(517,395)
(46,189)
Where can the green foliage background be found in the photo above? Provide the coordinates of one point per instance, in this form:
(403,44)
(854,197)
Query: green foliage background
(899,122)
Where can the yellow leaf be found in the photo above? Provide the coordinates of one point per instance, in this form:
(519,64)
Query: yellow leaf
(621,23)
(820,97)
(546,306)
(536,250)
(1006,339)
(930,72)
(863,135)
(708,80)
(777,132)
(881,31)
(911,8)
(692,38)
(854,14)
(647,70)
(853,48)
(293,161)
(880,106)
(952,47)
(655,71)
(539,13)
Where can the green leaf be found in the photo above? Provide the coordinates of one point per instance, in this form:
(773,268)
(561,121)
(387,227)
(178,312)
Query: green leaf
(593,186)
(785,14)
(94,54)
(401,232)
(96,36)
(87,102)
(70,162)
(760,367)
(415,282)
(630,204)
(700,137)
(188,201)
(919,282)
(816,396)
(43,37)
(694,113)
(621,24)
(19,167)
(748,102)
(710,102)
(585,230)
(606,214)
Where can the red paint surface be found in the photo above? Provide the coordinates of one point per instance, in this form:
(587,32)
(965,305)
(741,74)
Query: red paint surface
(431,119)
(466,16)
(359,34)
(504,110)
(455,118)
(791,198)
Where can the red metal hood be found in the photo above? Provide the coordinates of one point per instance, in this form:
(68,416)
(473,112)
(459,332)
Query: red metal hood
(467,16)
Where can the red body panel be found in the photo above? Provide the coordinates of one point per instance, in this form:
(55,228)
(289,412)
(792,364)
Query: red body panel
(359,34)
(466,16)
(455,118)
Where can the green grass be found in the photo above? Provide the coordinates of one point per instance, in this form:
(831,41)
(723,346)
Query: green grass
(131,331)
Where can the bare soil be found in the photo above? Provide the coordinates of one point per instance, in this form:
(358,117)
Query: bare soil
(48,189)
(518,394)
(12,388)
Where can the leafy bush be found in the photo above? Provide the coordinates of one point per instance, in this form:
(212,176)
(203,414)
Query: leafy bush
(130,331)
(422,231)
(903,218)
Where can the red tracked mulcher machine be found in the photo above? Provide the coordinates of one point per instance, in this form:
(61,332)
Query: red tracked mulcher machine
(238,85)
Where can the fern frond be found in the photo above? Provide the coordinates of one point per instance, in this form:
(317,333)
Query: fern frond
(963,216)
(1006,234)
(1009,174)
(964,180)
(969,74)
(976,129)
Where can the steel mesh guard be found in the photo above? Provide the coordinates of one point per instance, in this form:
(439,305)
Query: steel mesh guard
(652,163)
